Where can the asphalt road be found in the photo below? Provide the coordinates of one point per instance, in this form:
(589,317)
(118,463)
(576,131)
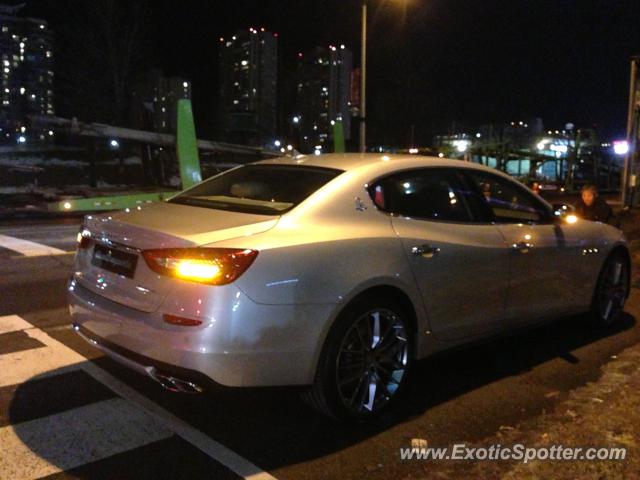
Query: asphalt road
(68,412)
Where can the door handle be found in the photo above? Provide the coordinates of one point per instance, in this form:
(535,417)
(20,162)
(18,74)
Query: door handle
(425,251)
(522,247)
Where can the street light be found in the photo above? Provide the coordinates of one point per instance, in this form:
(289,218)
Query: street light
(621,147)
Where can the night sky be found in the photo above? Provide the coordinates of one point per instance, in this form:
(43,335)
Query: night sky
(431,62)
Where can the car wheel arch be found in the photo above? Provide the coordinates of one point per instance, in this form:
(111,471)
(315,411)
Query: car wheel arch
(600,319)
(387,291)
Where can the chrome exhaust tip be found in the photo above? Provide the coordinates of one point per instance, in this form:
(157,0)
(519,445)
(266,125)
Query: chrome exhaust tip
(173,384)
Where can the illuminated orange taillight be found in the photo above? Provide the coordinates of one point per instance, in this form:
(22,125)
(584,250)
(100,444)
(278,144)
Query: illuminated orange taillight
(212,266)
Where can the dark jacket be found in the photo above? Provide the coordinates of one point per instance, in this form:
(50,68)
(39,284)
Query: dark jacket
(598,211)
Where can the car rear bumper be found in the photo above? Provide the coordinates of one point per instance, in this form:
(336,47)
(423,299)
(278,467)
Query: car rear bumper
(170,376)
(239,344)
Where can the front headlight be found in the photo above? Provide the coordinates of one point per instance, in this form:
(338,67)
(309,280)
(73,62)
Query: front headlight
(83,238)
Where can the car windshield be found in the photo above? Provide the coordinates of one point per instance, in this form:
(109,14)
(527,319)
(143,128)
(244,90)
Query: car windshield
(259,189)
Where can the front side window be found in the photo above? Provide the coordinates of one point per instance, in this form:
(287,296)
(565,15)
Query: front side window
(430,194)
(509,202)
(260,189)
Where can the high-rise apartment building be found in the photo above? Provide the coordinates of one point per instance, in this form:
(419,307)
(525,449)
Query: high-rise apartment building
(26,76)
(154,101)
(322,95)
(248,75)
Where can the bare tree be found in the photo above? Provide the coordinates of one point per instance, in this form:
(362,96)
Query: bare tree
(102,46)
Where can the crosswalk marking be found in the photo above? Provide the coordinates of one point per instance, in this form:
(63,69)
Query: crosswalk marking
(12,323)
(73,438)
(28,248)
(70,359)
(18,367)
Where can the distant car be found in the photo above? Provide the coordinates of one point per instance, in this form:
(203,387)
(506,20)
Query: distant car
(336,272)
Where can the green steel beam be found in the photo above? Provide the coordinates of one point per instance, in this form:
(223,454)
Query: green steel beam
(114,202)
(187,146)
(338,137)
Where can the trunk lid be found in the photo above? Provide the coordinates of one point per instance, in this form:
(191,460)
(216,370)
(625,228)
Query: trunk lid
(113,266)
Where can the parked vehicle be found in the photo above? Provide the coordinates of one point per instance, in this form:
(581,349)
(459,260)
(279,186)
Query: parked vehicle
(335,272)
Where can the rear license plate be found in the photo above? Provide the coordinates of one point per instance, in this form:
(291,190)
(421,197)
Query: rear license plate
(116,261)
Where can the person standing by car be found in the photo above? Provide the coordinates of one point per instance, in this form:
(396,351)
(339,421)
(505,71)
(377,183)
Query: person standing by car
(592,207)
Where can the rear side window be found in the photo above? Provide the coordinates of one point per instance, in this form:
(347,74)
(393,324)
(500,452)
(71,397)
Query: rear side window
(509,202)
(430,194)
(259,189)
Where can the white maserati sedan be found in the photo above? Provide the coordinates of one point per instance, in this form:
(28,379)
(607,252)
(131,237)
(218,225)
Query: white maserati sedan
(336,272)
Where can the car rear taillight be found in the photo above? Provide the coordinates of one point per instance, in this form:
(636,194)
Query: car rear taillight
(213,266)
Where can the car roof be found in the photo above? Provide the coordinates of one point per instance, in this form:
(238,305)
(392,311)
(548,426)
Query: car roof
(380,163)
(375,165)
(350,161)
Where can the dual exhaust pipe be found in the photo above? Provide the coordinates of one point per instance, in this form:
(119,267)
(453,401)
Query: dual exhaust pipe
(171,383)
(174,384)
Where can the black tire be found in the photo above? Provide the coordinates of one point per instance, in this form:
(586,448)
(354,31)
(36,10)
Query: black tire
(350,372)
(612,290)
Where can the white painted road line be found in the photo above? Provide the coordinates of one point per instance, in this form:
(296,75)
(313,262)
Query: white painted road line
(75,437)
(27,248)
(213,449)
(18,367)
(13,323)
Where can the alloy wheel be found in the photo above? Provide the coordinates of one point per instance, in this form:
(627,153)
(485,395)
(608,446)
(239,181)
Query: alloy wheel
(613,289)
(372,361)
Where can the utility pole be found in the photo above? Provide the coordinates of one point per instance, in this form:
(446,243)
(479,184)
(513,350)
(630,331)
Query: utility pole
(363,81)
(572,160)
(628,180)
